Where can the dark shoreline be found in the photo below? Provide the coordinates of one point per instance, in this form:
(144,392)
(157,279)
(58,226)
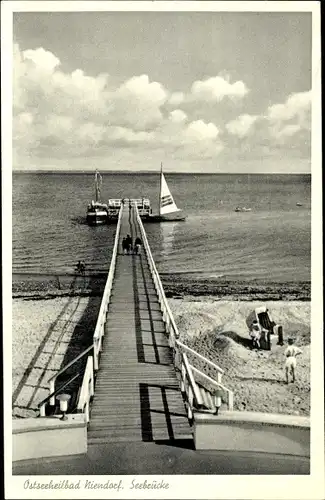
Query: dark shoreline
(237,290)
(47,287)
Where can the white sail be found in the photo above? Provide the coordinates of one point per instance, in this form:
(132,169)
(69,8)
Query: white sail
(167,204)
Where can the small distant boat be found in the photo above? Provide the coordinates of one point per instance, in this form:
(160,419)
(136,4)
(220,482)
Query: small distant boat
(97,212)
(299,204)
(242,209)
(168,210)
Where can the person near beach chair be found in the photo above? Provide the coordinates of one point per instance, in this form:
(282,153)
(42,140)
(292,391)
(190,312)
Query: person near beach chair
(255,334)
(291,352)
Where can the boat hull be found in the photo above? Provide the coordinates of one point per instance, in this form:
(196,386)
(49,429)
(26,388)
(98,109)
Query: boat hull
(172,217)
(97,218)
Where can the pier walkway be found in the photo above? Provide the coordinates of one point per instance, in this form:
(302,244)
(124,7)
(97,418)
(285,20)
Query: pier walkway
(137,395)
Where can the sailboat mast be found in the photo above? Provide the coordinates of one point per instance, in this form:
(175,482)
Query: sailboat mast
(97,189)
(159,200)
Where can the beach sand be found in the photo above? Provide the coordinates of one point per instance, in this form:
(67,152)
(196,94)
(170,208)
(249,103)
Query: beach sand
(43,328)
(217,329)
(46,334)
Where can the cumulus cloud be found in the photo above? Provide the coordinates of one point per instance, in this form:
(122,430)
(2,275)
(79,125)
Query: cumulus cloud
(296,106)
(177,116)
(66,114)
(59,114)
(242,125)
(217,88)
(199,130)
(176,98)
(42,58)
(292,116)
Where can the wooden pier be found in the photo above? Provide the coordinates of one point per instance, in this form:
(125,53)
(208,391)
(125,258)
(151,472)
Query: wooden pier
(137,394)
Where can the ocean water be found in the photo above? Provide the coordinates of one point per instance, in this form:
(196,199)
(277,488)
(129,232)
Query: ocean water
(270,243)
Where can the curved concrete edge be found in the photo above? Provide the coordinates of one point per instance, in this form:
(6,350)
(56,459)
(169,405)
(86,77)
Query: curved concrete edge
(48,437)
(262,418)
(250,431)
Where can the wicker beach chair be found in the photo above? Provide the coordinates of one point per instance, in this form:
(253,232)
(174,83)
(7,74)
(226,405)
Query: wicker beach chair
(263,317)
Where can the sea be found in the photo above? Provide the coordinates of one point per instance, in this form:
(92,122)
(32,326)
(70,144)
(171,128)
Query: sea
(270,243)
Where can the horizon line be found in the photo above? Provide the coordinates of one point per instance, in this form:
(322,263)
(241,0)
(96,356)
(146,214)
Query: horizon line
(43,171)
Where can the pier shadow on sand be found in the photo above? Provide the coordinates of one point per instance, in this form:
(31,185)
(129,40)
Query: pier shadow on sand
(81,339)
(83,329)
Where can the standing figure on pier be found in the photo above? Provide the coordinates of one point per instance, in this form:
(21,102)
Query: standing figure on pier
(124,246)
(137,246)
(129,244)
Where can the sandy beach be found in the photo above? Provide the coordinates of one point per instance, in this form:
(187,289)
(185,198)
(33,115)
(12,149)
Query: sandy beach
(47,320)
(217,330)
(46,334)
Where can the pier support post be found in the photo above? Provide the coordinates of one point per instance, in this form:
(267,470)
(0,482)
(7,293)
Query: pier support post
(52,389)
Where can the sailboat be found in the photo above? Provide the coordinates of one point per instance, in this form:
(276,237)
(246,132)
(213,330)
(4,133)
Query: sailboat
(97,212)
(168,210)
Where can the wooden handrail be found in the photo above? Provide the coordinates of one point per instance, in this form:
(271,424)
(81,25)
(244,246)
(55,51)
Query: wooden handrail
(194,387)
(185,347)
(162,292)
(218,384)
(209,379)
(85,380)
(63,386)
(152,262)
(110,276)
(83,353)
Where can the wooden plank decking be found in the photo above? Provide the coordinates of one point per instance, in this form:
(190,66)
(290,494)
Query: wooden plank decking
(137,396)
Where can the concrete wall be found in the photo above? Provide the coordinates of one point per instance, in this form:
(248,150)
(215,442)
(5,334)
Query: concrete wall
(48,437)
(250,431)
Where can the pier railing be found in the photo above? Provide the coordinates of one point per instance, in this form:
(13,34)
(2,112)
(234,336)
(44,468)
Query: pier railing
(188,382)
(99,330)
(86,390)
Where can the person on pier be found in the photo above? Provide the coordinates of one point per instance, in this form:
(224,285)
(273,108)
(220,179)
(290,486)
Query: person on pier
(137,246)
(129,244)
(124,246)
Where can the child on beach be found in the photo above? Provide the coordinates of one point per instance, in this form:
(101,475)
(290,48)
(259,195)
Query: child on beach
(290,363)
(255,334)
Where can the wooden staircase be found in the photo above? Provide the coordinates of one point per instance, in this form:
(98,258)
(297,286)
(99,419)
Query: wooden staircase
(137,395)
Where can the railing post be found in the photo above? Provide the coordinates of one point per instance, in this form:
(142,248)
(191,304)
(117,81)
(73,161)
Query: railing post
(42,411)
(190,403)
(230,400)
(52,389)
(87,412)
(182,378)
(92,391)
(96,354)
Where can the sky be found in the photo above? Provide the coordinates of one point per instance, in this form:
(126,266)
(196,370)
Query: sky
(198,91)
